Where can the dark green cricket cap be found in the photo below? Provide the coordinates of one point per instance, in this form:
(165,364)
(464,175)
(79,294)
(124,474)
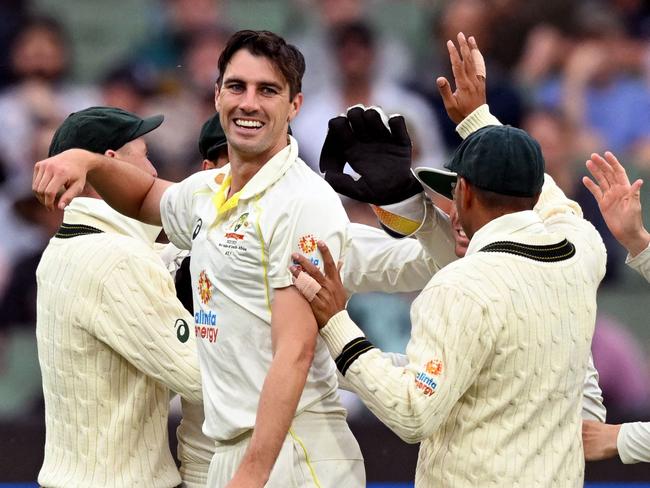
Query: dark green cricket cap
(212,138)
(497,158)
(98,129)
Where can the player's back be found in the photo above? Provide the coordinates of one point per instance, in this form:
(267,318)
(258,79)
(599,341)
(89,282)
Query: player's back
(518,423)
(106,421)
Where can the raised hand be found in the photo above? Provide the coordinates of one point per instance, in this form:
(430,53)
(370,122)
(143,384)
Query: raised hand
(468,68)
(618,200)
(378,148)
(57,180)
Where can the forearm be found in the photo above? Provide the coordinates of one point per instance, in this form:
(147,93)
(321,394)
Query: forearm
(281,392)
(636,243)
(128,189)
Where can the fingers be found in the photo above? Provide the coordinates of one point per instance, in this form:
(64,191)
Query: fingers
(358,123)
(456,64)
(67,196)
(477,58)
(636,188)
(599,169)
(377,130)
(620,175)
(468,60)
(307,285)
(339,136)
(328,262)
(345,185)
(398,130)
(593,188)
(308,268)
(445,92)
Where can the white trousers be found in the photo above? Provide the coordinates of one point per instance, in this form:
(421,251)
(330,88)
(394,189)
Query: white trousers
(318,452)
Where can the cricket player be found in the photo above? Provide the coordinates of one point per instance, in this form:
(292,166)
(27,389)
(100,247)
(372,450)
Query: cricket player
(620,204)
(500,342)
(269,385)
(113,340)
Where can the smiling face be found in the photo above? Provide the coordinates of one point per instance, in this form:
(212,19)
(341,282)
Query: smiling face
(255,107)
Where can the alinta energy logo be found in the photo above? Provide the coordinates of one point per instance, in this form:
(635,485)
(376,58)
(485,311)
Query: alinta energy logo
(205,288)
(307,244)
(425,381)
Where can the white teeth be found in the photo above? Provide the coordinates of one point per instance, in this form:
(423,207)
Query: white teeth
(461,233)
(248,123)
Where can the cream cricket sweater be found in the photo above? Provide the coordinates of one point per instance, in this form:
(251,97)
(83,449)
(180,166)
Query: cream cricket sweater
(112,341)
(497,358)
(633,440)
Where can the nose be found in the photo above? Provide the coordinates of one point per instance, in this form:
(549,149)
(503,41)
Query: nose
(249,102)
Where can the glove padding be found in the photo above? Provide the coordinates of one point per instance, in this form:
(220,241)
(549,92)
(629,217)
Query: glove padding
(380,154)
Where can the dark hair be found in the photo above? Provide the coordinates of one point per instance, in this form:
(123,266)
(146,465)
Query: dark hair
(286,57)
(356,32)
(495,200)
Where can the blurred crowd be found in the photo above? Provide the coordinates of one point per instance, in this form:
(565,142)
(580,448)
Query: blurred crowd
(574,74)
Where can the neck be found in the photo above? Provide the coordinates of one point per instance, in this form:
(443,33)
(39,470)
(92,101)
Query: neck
(242,172)
(243,167)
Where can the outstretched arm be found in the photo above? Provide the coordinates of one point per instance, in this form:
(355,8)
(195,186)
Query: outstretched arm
(619,201)
(128,189)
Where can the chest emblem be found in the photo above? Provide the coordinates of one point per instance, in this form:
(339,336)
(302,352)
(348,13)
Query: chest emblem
(205,288)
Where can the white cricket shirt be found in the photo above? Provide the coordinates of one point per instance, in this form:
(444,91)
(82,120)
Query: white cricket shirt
(241,251)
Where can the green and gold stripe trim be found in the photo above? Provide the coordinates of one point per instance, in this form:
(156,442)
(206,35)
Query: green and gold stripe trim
(549,253)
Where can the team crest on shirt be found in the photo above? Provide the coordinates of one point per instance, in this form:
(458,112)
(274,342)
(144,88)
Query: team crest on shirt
(205,288)
(233,233)
(425,381)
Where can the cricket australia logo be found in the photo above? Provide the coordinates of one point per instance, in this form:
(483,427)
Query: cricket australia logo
(205,288)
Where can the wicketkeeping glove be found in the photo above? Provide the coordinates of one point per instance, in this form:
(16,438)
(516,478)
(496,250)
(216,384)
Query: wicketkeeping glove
(380,153)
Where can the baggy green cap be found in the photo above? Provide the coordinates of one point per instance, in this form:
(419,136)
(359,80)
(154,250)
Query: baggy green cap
(98,129)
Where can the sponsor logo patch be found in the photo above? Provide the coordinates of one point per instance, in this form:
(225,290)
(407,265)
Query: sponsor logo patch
(205,288)
(182,330)
(425,381)
(197,229)
(307,244)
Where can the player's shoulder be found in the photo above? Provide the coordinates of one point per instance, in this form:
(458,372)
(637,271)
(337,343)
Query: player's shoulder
(301,181)
(209,180)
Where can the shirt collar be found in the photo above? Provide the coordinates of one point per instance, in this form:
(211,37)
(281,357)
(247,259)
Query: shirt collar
(269,173)
(97,213)
(517,227)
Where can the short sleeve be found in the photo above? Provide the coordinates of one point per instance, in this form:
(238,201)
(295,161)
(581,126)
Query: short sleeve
(176,210)
(298,228)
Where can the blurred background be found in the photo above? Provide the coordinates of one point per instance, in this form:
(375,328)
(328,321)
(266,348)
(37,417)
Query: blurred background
(575,74)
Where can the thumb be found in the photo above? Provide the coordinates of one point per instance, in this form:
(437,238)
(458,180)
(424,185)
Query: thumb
(444,88)
(74,190)
(636,188)
(345,185)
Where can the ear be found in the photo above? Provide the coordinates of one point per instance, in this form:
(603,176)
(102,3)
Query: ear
(296,103)
(110,153)
(207,164)
(217,92)
(465,193)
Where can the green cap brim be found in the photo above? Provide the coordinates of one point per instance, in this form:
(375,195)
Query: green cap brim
(147,125)
(437,180)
